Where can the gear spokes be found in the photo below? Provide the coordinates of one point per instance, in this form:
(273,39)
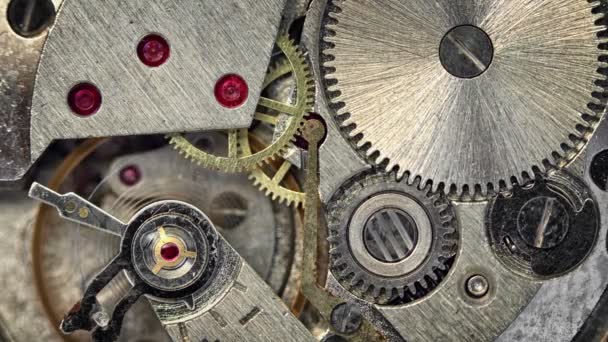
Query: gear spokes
(282,119)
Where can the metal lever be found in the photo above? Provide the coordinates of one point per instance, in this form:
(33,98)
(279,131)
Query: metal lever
(76,209)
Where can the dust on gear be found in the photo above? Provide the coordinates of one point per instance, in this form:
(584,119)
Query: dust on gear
(270,112)
(404,261)
(272,178)
(474,95)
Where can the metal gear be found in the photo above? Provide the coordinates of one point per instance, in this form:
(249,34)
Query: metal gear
(272,177)
(271,183)
(239,155)
(396,260)
(517,86)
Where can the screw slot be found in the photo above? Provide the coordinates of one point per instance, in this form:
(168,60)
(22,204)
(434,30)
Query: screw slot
(466,51)
(346,318)
(29,18)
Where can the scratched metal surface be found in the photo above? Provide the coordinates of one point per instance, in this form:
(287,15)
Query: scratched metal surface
(95,41)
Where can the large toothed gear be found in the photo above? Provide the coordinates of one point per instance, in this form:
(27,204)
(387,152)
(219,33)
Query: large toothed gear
(475,95)
(391,241)
(283,118)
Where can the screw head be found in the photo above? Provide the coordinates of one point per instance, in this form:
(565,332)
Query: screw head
(29,18)
(346,318)
(477,286)
(101,318)
(466,51)
(543,222)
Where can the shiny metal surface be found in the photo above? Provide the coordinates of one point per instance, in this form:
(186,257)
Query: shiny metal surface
(96,42)
(18,64)
(76,209)
(265,236)
(248,311)
(420,251)
(385,78)
(448,313)
(386,283)
(20,305)
(575,295)
(337,160)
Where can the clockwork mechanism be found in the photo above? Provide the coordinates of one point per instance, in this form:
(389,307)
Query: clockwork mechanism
(303,170)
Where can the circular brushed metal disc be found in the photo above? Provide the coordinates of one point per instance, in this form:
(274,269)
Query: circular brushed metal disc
(484,111)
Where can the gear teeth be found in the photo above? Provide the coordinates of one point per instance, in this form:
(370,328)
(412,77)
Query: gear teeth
(463,192)
(370,286)
(248,161)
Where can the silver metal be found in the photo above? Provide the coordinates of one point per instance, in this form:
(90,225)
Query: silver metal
(18,66)
(338,161)
(382,66)
(247,311)
(265,234)
(96,42)
(455,315)
(235,294)
(19,309)
(369,278)
(477,286)
(366,211)
(390,235)
(101,318)
(76,209)
(346,318)
(576,294)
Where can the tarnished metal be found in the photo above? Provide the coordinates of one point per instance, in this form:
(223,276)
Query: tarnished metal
(455,315)
(575,295)
(337,159)
(18,65)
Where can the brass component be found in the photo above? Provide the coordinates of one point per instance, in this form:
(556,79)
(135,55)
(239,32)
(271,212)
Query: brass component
(276,180)
(164,239)
(313,131)
(83,212)
(271,185)
(239,155)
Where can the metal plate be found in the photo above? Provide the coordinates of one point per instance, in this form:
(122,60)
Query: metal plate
(569,300)
(95,41)
(18,61)
(338,161)
(449,314)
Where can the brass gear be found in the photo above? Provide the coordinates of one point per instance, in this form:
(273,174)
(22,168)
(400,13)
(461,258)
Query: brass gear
(276,180)
(239,155)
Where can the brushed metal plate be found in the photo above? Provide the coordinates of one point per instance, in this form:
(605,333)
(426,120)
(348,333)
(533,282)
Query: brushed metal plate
(95,41)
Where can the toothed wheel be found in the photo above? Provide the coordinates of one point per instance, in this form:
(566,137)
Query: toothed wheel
(391,241)
(283,119)
(474,95)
